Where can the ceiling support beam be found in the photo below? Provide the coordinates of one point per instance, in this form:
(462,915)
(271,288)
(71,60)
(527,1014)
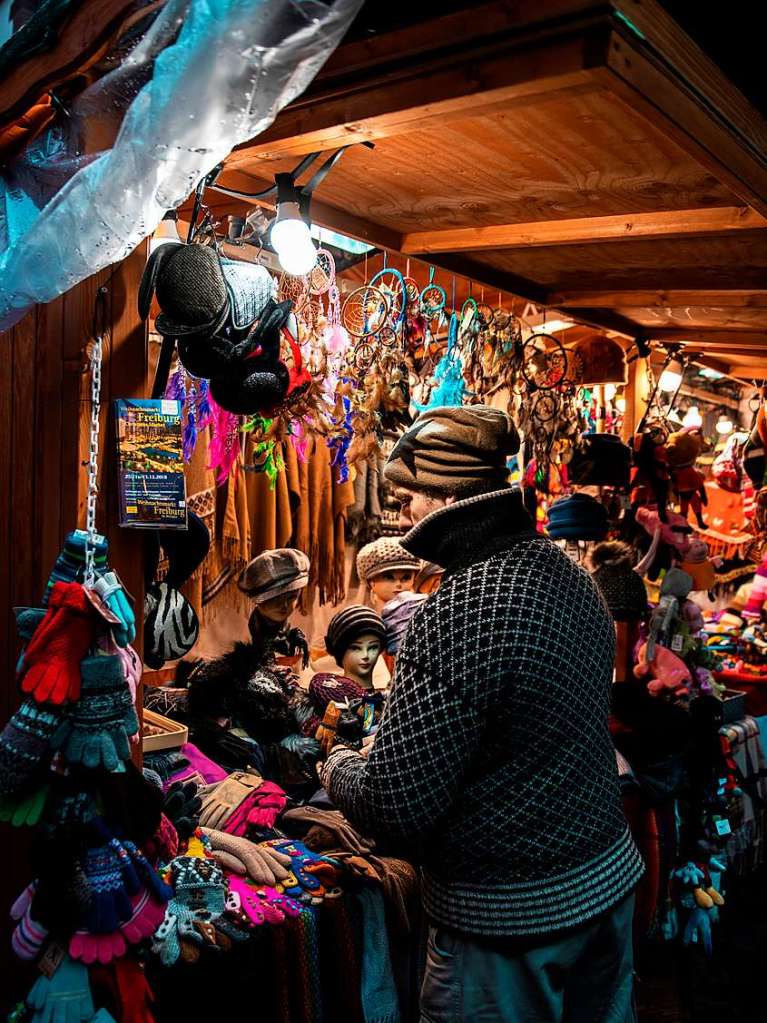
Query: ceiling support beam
(587,230)
(644,298)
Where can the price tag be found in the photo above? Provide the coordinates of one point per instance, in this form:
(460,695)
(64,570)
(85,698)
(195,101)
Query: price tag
(51,959)
(677,643)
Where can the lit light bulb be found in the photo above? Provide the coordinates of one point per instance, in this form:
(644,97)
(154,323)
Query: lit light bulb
(610,391)
(298,260)
(671,377)
(289,231)
(692,417)
(620,404)
(724,425)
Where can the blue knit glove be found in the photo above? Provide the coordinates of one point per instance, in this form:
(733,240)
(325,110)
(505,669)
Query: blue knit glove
(112,880)
(65,997)
(199,901)
(307,885)
(110,589)
(96,731)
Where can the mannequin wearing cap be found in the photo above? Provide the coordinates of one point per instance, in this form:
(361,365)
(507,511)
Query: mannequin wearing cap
(387,570)
(246,688)
(355,639)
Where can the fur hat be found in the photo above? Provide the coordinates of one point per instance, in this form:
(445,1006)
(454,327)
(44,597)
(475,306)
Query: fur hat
(384,555)
(348,625)
(623,589)
(272,573)
(452,449)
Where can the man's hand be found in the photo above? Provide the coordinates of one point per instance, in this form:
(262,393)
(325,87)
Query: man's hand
(367,745)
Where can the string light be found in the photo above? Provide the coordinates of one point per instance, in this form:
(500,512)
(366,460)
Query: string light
(671,377)
(290,235)
(724,425)
(692,417)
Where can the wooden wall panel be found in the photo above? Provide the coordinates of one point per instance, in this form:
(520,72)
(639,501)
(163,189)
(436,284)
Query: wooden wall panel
(44,420)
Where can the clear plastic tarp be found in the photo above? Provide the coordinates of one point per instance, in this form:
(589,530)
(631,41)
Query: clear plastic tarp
(205,76)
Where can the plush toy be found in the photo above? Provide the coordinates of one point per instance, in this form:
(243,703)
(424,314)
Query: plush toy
(670,675)
(682,451)
(700,566)
(670,540)
(650,476)
(674,589)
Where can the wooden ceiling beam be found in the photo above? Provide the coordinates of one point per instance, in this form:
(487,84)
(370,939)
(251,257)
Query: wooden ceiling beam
(587,230)
(644,298)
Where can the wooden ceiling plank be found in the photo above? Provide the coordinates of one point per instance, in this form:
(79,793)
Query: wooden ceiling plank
(740,298)
(587,230)
(651,89)
(465,83)
(727,340)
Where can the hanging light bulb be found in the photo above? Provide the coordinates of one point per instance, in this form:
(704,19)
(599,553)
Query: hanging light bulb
(671,377)
(610,391)
(620,404)
(298,260)
(166,231)
(692,417)
(724,425)
(290,229)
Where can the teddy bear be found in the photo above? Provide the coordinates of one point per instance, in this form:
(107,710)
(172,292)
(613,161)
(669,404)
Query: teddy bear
(682,450)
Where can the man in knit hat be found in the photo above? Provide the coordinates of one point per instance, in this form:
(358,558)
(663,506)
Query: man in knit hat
(494,758)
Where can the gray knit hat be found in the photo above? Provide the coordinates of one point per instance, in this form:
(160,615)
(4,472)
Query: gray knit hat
(274,572)
(384,555)
(348,625)
(452,449)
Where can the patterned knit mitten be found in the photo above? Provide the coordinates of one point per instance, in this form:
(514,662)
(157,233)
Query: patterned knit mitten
(62,639)
(96,731)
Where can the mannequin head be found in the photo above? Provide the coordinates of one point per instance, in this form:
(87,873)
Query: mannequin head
(360,658)
(386,585)
(277,610)
(274,581)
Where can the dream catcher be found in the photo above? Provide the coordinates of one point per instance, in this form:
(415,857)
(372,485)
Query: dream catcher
(322,276)
(449,385)
(391,283)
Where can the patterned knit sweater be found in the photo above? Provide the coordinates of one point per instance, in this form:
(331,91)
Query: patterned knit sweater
(494,754)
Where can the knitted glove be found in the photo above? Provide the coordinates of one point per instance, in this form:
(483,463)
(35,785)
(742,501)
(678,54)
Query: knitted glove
(262,865)
(29,936)
(24,743)
(112,880)
(110,589)
(183,807)
(146,917)
(96,731)
(252,907)
(125,980)
(200,898)
(23,810)
(163,845)
(307,882)
(70,564)
(220,803)
(63,638)
(259,810)
(27,620)
(65,997)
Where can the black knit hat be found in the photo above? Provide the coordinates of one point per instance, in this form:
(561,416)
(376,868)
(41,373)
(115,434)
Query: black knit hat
(622,588)
(348,625)
(579,517)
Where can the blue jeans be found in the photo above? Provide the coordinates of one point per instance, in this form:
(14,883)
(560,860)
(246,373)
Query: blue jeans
(580,976)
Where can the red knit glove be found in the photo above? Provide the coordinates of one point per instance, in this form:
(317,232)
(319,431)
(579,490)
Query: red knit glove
(125,985)
(60,642)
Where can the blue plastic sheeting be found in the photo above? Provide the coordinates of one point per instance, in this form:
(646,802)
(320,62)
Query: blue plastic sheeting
(206,76)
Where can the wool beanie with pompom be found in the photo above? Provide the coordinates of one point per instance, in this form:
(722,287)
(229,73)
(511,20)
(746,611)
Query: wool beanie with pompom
(622,588)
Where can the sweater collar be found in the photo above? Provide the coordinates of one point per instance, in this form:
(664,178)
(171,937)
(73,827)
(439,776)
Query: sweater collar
(470,530)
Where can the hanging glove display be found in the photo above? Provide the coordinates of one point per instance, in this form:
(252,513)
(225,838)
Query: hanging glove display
(219,804)
(70,564)
(96,731)
(60,642)
(111,590)
(241,856)
(64,997)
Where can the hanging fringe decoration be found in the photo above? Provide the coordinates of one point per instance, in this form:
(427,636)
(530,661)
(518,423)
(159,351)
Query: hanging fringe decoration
(339,441)
(224,443)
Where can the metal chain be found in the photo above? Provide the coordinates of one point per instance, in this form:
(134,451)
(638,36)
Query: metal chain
(93,461)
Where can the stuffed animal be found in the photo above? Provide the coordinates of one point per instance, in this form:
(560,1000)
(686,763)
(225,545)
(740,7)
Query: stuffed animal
(670,540)
(674,589)
(670,675)
(700,566)
(682,451)
(650,476)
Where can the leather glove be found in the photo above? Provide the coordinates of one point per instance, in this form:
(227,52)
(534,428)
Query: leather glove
(219,804)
